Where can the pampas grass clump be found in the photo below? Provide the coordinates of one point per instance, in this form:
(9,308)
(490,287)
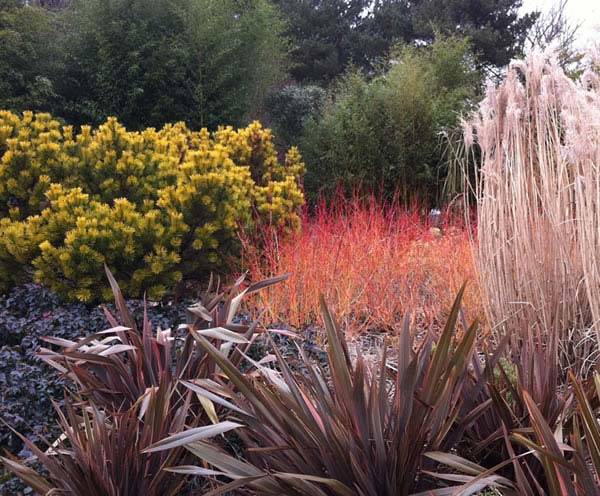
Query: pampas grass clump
(538,201)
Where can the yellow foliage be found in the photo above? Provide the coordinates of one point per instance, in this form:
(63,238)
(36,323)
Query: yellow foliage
(155,206)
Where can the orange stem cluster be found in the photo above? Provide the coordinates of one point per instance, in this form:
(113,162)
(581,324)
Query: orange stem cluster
(373,262)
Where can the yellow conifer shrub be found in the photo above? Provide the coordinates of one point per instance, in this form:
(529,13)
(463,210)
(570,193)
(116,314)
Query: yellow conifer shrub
(156,206)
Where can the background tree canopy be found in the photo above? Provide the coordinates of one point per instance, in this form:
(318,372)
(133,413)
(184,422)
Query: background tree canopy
(146,61)
(328,34)
(210,62)
(321,73)
(30,57)
(494,27)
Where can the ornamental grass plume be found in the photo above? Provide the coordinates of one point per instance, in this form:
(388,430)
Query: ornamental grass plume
(538,200)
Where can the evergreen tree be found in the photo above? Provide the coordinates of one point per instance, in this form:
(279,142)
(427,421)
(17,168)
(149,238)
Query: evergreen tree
(329,34)
(495,28)
(206,62)
(326,35)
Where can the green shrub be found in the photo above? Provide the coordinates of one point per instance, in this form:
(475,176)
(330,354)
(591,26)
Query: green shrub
(30,57)
(205,62)
(290,108)
(157,207)
(384,133)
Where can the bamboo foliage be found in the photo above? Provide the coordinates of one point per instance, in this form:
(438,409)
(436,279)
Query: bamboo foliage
(538,199)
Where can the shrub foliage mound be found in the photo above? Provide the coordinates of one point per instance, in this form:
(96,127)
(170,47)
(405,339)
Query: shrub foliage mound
(384,133)
(156,206)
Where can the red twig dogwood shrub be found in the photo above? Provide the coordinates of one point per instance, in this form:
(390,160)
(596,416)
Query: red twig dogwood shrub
(373,262)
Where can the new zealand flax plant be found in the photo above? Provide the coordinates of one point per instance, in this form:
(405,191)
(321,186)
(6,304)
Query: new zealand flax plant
(133,387)
(498,407)
(526,432)
(544,456)
(354,430)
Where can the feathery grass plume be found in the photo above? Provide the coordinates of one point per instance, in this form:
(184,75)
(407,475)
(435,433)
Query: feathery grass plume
(582,136)
(538,200)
